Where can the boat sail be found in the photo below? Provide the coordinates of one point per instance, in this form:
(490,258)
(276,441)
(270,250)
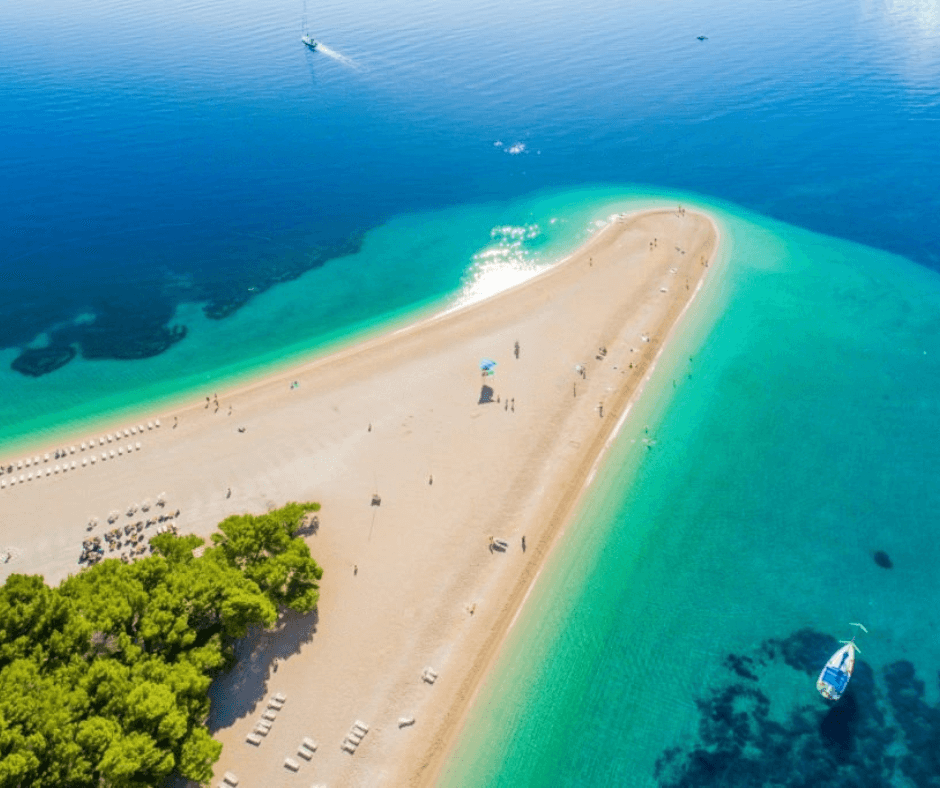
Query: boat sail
(309,41)
(835,675)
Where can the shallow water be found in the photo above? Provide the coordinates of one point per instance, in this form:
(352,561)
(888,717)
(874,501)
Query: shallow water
(796,443)
(192,166)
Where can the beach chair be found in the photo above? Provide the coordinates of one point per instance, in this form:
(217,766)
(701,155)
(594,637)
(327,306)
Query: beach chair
(230,779)
(290,763)
(253,738)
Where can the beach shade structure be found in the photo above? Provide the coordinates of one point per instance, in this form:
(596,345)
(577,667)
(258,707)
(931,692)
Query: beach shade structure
(488,366)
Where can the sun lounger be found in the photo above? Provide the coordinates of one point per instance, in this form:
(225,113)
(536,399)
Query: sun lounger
(348,746)
(304,753)
(253,738)
(404,722)
(361,725)
(274,703)
(290,763)
(309,743)
(230,779)
(280,696)
(270,714)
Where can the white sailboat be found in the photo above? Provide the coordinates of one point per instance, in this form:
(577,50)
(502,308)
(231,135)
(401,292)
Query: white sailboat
(309,41)
(836,673)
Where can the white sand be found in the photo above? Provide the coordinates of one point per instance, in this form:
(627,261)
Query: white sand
(423,554)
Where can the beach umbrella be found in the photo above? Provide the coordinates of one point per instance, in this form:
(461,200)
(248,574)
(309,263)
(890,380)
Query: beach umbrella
(488,366)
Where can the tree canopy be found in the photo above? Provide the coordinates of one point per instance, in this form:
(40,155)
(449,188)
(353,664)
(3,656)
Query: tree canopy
(104,679)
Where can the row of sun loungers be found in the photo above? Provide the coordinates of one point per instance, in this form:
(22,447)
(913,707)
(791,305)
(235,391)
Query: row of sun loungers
(355,736)
(16,472)
(263,726)
(12,479)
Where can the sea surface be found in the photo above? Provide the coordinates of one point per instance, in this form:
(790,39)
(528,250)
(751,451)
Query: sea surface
(190,198)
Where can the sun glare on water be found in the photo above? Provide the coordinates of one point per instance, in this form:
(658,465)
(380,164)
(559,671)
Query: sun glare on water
(502,265)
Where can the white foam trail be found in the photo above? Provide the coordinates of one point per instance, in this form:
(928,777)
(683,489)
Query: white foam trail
(325,50)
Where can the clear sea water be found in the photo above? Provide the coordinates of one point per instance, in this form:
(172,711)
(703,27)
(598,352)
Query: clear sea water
(187,165)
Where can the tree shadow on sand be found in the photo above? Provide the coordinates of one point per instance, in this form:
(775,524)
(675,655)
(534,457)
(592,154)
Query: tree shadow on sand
(237,693)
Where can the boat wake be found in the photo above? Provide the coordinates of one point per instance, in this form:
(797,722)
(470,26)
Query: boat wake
(323,49)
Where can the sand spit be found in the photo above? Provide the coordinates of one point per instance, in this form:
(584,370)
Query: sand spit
(442,492)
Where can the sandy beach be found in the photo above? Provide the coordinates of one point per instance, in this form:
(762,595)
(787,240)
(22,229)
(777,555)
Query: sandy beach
(418,461)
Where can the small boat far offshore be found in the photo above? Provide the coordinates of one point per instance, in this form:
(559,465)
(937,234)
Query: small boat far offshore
(835,675)
(309,41)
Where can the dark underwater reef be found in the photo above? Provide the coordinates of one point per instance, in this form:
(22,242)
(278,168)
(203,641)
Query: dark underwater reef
(135,324)
(880,733)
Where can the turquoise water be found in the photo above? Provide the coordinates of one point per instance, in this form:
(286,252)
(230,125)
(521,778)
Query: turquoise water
(799,440)
(190,198)
(411,265)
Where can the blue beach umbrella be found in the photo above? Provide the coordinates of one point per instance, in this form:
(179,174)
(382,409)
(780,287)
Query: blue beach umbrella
(487,365)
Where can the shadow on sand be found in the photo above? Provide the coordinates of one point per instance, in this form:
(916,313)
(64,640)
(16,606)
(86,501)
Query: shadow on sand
(486,395)
(240,691)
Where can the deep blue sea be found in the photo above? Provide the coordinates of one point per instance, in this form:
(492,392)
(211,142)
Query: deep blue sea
(188,197)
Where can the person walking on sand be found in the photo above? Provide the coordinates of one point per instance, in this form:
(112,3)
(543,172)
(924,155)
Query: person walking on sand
(523,543)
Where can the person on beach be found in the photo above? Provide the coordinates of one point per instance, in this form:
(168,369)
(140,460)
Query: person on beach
(523,543)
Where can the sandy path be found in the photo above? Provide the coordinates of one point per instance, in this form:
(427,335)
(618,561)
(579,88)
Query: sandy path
(385,417)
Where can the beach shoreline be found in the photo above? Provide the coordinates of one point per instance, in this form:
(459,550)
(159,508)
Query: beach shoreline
(418,461)
(437,757)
